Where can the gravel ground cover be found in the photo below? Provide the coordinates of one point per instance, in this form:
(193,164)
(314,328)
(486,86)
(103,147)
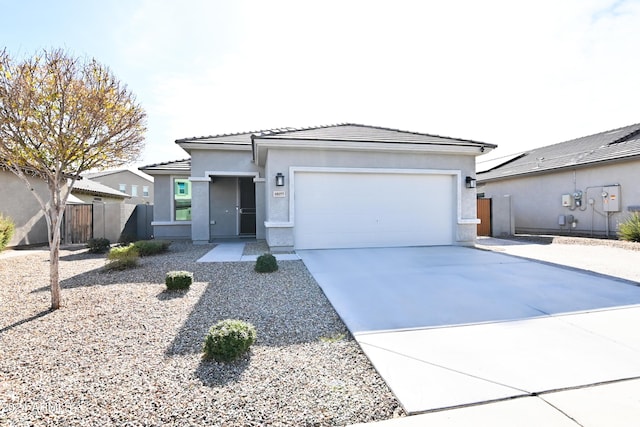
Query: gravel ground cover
(122,351)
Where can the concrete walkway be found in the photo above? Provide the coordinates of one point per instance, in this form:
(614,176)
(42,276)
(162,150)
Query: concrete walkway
(233,252)
(452,327)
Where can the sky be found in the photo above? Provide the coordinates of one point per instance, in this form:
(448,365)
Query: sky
(513,73)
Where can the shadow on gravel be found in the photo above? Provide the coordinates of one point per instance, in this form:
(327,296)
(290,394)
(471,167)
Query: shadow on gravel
(143,273)
(215,374)
(287,307)
(171,295)
(23,321)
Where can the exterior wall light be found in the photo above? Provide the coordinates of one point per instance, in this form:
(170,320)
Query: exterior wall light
(279,180)
(471,182)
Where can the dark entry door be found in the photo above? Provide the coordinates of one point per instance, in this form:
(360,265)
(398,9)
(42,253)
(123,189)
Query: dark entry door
(247,209)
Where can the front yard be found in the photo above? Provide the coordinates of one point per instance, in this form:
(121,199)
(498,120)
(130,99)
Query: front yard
(122,351)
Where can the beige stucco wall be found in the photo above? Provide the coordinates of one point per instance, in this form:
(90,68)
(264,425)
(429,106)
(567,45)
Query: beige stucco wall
(536,200)
(129,178)
(22,207)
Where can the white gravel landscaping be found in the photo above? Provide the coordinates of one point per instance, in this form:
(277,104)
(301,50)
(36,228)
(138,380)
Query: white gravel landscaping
(122,351)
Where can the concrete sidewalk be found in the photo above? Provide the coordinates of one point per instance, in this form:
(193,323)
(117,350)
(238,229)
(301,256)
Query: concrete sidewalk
(608,405)
(233,252)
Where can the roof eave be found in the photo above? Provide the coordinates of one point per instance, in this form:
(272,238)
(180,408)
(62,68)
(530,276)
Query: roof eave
(261,146)
(557,169)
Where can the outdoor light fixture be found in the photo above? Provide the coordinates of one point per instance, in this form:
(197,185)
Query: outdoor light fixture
(279,180)
(471,182)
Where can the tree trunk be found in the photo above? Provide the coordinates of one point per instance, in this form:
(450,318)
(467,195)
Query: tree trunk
(54,277)
(54,255)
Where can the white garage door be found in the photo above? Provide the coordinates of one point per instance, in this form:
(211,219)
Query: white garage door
(351,210)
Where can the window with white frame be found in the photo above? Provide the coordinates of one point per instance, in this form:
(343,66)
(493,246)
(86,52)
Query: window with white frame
(182,199)
(145,191)
(134,191)
(123,188)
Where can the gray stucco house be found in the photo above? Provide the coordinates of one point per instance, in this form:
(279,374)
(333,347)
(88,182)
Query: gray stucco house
(337,186)
(587,185)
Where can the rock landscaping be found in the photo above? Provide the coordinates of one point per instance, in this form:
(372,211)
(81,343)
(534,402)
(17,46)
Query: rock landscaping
(123,351)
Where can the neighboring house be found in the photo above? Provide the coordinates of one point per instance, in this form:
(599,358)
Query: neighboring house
(93,192)
(586,185)
(23,208)
(338,186)
(138,185)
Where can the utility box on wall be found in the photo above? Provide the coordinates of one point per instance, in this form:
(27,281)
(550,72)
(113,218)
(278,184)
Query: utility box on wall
(567,200)
(611,198)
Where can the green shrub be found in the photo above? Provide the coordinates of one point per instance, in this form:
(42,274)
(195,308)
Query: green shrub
(178,280)
(630,229)
(122,257)
(7,228)
(266,263)
(228,339)
(152,247)
(99,245)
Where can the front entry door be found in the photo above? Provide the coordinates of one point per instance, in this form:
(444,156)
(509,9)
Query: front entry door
(247,208)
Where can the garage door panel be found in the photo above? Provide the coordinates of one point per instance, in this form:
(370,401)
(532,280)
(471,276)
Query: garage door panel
(342,210)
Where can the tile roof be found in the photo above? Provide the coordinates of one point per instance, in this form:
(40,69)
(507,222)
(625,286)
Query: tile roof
(606,146)
(337,132)
(179,166)
(92,187)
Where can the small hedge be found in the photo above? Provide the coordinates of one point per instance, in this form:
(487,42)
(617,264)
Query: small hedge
(630,229)
(178,280)
(99,245)
(266,263)
(152,247)
(228,339)
(7,228)
(122,258)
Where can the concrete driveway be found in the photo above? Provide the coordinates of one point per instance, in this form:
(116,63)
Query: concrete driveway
(453,326)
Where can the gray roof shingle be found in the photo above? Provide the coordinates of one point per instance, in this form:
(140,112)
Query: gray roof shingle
(92,187)
(178,166)
(338,132)
(615,144)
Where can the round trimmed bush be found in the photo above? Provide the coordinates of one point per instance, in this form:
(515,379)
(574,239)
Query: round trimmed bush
(266,263)
(178,280)
(228,339)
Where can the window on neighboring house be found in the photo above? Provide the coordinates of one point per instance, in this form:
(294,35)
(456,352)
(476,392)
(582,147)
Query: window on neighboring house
(123,188)
(145,191)
(134,191)
(182,199)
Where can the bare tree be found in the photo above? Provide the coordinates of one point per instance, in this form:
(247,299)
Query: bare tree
(61,116)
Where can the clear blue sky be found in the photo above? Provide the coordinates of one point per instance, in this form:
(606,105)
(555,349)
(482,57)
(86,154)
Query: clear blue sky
(513,73)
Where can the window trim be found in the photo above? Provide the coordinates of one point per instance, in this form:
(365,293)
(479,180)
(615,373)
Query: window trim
(173,198)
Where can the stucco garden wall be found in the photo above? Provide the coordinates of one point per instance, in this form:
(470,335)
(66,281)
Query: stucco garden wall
(22,207)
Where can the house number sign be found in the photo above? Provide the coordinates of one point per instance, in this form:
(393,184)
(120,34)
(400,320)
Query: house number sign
(279,194)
